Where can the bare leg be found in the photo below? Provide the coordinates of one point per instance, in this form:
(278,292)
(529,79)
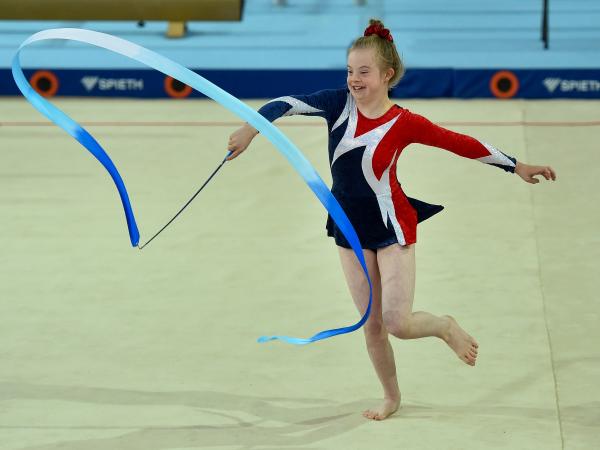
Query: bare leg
(378,344)
(397,267)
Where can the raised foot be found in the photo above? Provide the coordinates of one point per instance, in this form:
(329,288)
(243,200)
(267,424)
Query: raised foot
(386,409)
(462,343)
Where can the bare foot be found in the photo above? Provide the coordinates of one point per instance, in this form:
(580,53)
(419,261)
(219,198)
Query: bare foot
(463,344)
(387,408)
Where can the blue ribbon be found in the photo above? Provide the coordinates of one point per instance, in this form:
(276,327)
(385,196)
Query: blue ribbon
(177,71)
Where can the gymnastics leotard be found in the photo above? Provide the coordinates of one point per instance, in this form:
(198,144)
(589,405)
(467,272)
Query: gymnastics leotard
(363,154)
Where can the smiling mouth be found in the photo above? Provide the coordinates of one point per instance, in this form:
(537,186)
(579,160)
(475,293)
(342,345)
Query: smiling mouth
(357,88)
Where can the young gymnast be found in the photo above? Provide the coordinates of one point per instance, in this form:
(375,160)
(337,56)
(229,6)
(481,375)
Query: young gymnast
(367,133)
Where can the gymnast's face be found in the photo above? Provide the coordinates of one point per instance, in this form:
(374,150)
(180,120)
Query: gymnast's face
(366,80)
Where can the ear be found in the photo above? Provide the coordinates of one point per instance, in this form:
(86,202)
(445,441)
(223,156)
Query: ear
(389,74)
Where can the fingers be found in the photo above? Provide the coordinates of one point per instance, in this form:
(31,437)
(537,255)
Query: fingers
(232,147)
(234,154)
(546,171)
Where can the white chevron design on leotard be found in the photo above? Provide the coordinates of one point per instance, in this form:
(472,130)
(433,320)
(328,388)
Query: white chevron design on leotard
(297,106)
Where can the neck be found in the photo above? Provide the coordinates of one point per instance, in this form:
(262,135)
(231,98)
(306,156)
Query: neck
(374,107)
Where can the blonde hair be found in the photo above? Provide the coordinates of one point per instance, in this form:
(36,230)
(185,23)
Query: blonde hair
(386,54)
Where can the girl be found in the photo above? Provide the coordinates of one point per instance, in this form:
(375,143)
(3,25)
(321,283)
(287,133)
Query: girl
(367,133)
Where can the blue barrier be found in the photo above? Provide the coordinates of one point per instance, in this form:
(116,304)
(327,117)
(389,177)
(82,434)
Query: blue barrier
(417,83)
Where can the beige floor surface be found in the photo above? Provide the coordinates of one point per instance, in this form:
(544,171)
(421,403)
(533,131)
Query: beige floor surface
(106,347)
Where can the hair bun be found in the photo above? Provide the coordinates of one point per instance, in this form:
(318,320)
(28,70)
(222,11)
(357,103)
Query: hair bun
(376,27)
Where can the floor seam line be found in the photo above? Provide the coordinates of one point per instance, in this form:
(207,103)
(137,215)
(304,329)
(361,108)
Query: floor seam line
(539,270)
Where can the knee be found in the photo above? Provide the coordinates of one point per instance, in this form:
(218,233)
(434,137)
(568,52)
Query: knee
(396,324)
(374,331)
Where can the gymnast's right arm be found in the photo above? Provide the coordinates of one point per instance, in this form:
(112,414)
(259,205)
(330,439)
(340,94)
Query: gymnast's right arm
(240,140)
(317,104)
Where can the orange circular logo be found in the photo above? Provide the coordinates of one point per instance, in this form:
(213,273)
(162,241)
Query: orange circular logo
(44,82)
(504,84)
(176,88)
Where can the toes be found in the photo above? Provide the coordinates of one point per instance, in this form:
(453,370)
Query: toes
(373,415)
(470,360)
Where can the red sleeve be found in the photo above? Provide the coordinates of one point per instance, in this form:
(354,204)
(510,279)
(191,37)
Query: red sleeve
(423,131)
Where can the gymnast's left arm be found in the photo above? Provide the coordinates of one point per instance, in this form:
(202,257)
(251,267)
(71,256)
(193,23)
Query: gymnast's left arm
(425,132)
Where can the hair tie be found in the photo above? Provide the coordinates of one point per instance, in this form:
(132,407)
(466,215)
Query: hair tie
(380,31)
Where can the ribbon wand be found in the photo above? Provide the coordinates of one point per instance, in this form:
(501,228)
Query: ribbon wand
(189,201)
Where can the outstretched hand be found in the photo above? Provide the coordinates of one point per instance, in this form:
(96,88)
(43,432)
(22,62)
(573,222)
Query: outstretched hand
(527,172)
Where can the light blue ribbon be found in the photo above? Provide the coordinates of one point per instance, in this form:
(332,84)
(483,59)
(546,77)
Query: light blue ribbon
(177,71)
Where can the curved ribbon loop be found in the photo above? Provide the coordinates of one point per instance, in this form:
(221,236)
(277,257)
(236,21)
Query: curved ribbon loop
(185,75)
